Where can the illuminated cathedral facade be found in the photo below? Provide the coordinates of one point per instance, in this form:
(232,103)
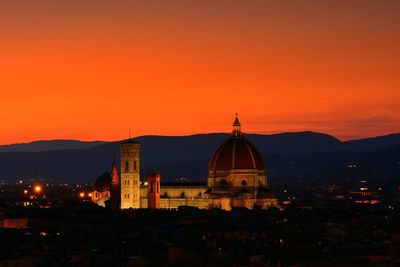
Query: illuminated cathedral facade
(236,178)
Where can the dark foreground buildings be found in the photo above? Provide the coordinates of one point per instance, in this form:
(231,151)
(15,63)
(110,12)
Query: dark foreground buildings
(321,232)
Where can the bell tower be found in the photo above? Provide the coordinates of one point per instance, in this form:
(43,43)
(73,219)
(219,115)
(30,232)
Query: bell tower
(130,175)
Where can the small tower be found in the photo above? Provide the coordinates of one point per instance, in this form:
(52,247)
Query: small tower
(153,191)
(130,175)
(115,188)
(236,127)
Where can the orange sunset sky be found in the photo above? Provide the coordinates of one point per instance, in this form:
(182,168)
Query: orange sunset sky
(90,70)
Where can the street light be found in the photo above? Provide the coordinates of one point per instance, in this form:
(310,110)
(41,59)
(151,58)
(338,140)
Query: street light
(38,188)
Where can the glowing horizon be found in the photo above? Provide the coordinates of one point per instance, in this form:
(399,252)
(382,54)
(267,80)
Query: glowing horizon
(78,70)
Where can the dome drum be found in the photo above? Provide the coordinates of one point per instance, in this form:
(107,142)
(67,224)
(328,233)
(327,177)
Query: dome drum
(237,181)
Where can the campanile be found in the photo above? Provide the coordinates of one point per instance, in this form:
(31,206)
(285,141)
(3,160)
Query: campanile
(130,175)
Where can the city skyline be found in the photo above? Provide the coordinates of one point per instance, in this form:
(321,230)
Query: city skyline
(75,70)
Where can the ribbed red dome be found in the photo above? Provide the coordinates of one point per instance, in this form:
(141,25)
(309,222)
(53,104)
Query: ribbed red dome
(236,153)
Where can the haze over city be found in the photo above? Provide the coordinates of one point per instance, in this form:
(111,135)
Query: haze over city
(91,70)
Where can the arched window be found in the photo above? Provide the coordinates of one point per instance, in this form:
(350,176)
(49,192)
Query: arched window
(182,194)
(244,183)
(126,166)
(134,165)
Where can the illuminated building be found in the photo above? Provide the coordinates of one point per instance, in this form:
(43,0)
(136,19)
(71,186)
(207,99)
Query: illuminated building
(366,194)
(236,174)
(101,189)
(236,178)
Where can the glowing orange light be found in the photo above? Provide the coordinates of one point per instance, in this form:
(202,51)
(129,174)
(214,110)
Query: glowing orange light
(90,194)
(38,189)
(25,191)
(82,194)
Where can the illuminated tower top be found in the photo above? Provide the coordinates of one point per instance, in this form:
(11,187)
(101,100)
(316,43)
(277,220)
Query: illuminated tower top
(114,174)
(236,127)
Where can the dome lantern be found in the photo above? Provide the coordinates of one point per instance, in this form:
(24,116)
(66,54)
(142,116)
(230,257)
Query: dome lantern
(236,127)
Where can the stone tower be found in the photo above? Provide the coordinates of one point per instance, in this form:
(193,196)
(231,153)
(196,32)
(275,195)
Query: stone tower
(153,191)
(130,175)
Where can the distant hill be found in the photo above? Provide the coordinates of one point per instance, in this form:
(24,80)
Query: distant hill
(287,155)
(47,145)
(283,143)
(375,143)
(295,143)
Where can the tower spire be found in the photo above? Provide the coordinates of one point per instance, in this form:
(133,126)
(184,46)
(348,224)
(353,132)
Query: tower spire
(236,127)
(115,187)
(114,173)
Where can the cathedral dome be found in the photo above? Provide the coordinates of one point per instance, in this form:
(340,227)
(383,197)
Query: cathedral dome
(107,180)
(236,152)
(103,183)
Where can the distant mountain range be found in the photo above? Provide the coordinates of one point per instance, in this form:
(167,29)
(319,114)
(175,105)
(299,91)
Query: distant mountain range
(288,156)
(47,145)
